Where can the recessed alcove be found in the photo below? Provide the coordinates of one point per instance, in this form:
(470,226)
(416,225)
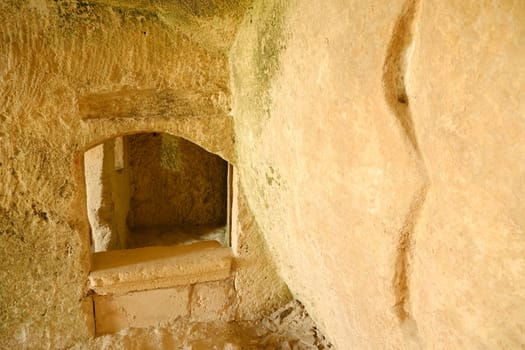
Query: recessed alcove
(159,213)
(155,189)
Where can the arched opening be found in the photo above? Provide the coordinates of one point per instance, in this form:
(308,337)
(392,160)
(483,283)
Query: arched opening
(155,189)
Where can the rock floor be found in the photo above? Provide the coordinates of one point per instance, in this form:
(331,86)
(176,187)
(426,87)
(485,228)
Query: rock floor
(289,328)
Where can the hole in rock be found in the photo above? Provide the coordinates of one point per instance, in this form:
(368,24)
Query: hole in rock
(155,189)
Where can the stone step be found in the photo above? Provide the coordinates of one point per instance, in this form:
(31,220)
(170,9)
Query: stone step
(201,302)
(124,271)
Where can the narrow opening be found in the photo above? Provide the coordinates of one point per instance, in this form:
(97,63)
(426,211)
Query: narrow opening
(155,189)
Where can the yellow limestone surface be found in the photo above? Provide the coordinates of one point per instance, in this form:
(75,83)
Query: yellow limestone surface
(67,69)
(381,148)
(122,271)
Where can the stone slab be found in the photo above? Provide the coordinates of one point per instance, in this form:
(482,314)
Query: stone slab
(140,309)
(123,271)
(213,301)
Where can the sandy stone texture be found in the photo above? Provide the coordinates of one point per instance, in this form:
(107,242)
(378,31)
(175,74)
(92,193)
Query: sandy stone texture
(381,149)
(174,183)
(58,57)
(468,85)
(378,146)
(140,309)
(213,301)
(288,327)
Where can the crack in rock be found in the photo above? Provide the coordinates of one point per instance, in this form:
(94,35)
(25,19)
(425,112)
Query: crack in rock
(402,265)
(395,68)
(394,83)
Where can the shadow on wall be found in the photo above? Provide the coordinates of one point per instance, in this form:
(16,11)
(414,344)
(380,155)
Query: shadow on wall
(153,189)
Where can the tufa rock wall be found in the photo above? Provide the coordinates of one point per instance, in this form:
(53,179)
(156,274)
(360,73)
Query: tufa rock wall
(73,75)
(174,182)
(381,149)
(378,146)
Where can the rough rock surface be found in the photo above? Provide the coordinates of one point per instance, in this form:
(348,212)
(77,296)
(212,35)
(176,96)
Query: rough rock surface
(288,328)
(65,62)
(174,182)
(468,281)
(381,149)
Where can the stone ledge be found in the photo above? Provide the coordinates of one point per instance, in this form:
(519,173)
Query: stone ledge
(124,271)
(146,103)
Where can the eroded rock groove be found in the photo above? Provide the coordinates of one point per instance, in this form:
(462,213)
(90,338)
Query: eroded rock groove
(402,264)
(395,68)
(395,89)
